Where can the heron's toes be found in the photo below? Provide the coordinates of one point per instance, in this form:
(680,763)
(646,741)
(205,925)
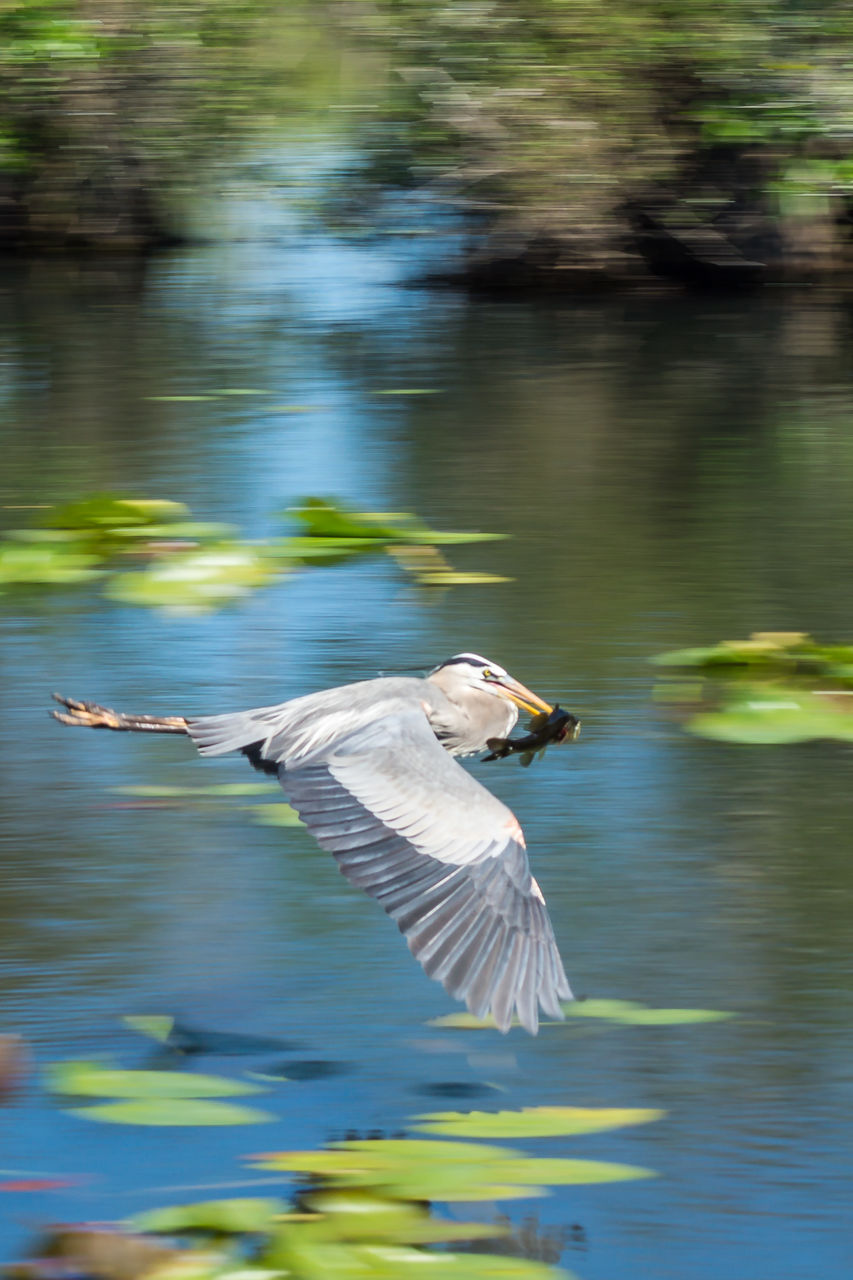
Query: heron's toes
(88,714)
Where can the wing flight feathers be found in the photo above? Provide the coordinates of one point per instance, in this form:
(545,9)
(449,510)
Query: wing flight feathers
(408,825)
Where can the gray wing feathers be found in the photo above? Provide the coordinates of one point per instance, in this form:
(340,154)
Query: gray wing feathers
(407,824)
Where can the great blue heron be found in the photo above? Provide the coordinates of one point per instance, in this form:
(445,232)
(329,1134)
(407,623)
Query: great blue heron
(369,768)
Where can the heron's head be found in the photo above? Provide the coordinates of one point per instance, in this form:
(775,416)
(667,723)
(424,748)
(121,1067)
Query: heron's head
(469,672)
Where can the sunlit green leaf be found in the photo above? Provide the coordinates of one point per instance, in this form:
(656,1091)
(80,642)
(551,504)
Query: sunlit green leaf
(626,1012)
(181,399)
(407,391)
(37,562)
(325,518)
(450,578)
(108,510)
(172,1112)
(765,722)
(673,1017)
(239,391)
(534,1122)
(316,1260)
(353,1214)
(92,1080)
(233,1217)
(195,581)
(594,1008)
(275,815)
(156,1026)
(555,1172)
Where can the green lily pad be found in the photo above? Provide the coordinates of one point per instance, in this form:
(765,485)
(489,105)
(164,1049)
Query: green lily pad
(180,399)
(157,1026)
(673,1017)
(171,1112)
(325,518)
(450,578)
(92,1080)
(556,1172)
(322,1260)
(353,1214)
(275,815)
(195,581)
(534,1122)
(228,1217)
(625,1012)
(419,1169)
(774,716)
(45,563)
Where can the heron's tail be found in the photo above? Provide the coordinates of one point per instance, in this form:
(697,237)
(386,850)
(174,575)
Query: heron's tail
(92,716)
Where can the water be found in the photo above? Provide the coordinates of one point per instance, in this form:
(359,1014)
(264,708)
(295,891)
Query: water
(672,471)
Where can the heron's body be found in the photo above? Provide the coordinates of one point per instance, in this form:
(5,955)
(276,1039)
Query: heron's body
(369,768)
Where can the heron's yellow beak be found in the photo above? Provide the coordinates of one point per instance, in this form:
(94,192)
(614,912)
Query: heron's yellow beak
(522,696)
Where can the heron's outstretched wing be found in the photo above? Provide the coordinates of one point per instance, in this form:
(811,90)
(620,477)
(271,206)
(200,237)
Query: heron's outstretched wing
(444,857)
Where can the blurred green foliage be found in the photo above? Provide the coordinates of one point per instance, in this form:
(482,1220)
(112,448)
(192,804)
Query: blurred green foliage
(774,688)
(193,566)
(559,118)
(554,118)
(112,110)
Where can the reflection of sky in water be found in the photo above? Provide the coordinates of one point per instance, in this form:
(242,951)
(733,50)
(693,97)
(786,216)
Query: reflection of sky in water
(672,472)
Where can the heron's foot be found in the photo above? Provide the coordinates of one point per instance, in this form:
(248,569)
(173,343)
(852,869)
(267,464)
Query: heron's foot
(91,715)
(88,714)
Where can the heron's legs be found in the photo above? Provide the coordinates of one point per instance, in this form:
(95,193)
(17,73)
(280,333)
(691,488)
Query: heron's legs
(92,716)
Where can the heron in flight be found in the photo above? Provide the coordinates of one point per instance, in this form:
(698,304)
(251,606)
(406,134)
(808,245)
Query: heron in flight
(369,768)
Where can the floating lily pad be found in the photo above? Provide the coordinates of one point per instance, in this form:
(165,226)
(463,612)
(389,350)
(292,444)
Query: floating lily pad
(90,1079)
(450,578)
(774,716)
(353,1214)
(231,1217)
(44,563)
(325,518)
(626,1012)
(407,391)
(673,1017)
(275,815)
(417,1169)
(534,1122)
(318,1260)
(172,1112)
(181,399)
(194,581)
(157,1026)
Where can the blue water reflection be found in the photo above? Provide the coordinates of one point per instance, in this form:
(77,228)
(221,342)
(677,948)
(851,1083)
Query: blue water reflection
(671,471)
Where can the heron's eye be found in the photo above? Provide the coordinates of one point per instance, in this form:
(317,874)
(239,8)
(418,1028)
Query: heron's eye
(488,674)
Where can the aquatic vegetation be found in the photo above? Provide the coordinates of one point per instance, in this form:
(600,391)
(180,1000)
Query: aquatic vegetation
(624,1012)
(425,1169)
(775,687)
(534,1122)
(93,1080)
(175,1112)
(150,552)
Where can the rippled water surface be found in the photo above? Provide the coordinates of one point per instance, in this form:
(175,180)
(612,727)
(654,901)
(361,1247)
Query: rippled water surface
(671,471)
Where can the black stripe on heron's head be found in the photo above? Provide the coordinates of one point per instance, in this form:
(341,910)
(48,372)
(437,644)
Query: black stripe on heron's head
(466,659)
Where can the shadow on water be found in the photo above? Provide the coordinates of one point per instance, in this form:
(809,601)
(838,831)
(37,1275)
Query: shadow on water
(671,472)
